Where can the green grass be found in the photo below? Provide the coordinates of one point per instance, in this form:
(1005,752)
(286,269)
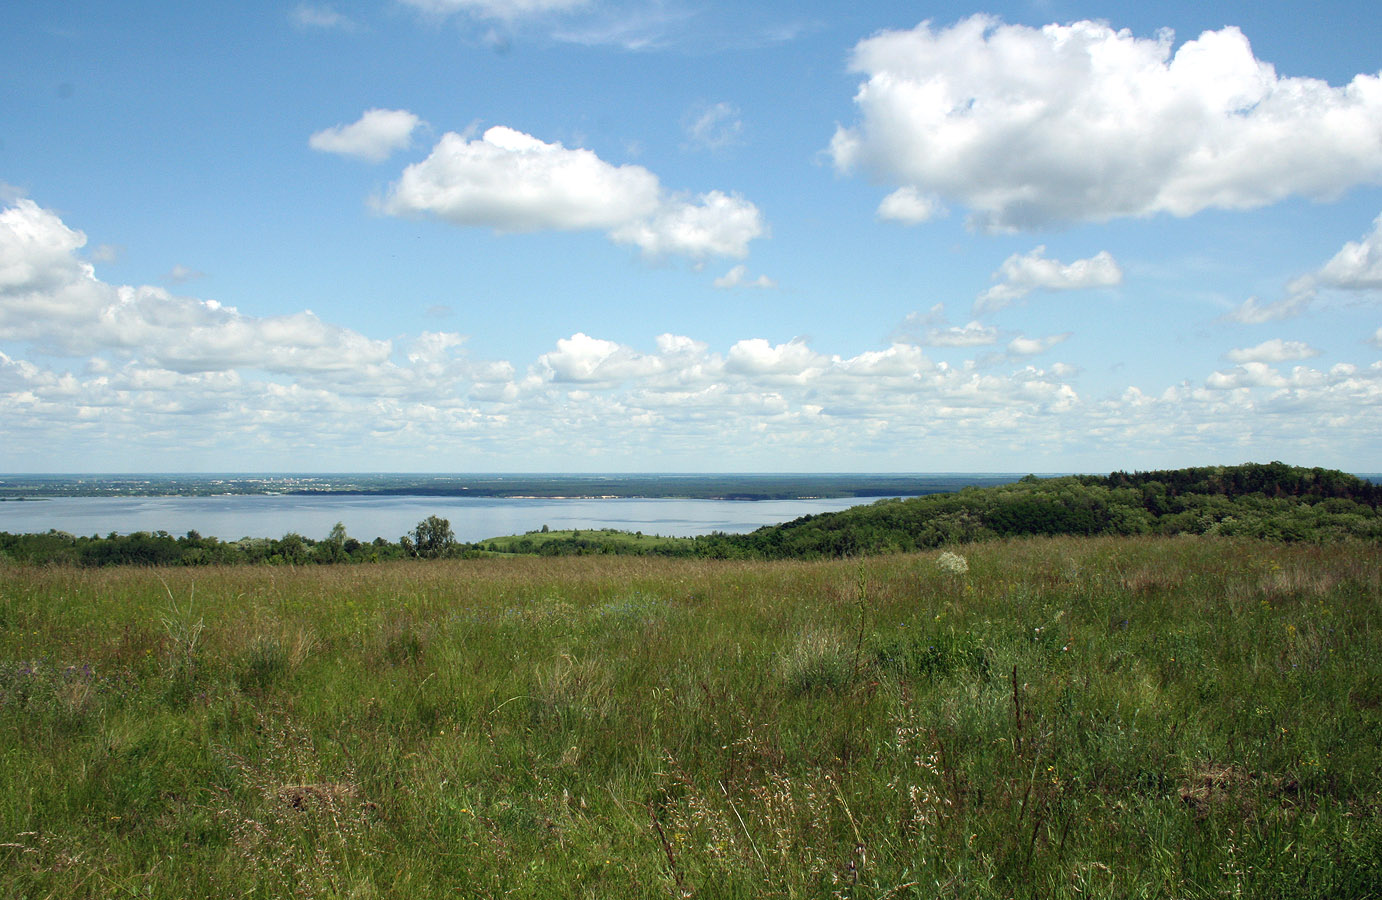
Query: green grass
(1144,717)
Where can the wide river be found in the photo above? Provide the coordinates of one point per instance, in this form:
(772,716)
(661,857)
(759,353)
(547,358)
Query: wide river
(366,517)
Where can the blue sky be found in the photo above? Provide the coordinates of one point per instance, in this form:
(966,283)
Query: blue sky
(656,235)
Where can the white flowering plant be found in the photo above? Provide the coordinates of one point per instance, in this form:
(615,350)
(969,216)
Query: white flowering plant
(953,563)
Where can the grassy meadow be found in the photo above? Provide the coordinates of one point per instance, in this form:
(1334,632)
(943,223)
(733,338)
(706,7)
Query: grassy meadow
(1061,717)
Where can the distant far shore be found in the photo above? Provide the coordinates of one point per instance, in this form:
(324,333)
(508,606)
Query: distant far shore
(672,486)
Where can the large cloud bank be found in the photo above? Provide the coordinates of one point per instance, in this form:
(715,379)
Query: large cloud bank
(50,297)
(139,377)
(1030,127)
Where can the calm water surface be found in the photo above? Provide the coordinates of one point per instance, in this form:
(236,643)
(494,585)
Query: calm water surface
(365,518)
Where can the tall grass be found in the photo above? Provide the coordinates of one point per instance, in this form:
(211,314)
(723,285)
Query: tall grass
(1057,718)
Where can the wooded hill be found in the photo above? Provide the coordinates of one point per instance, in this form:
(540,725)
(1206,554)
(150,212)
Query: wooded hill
(1273,501)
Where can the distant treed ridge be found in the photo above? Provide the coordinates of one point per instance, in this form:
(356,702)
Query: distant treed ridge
(1271,501)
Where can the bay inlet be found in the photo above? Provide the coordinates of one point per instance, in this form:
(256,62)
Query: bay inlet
(230,507)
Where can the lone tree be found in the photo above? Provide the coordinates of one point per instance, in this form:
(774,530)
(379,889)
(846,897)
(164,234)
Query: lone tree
(431,538)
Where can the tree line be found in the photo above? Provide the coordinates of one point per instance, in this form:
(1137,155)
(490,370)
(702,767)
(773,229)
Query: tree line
(1271,501)
(432,538)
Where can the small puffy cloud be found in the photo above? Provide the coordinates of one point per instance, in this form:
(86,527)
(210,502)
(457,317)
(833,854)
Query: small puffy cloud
(713,127)
(1358,266)
(898,361)
(1021,274)
(1249,375)
(714,224)
(1273,351)
(374,137)
(739,277)
(1030,127)
(1376,339)
(1023,346)
(909,206)
(513,182)
(496,9)
(756,356)
(586,360)
(309,15)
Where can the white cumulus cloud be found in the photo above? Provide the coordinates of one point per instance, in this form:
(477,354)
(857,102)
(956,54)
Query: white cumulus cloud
(909,206)
(1253,374)
(148,379)
(714,224)
(1024,346)
(374,137)
(588,360)
(1358,265)
(757,356)
(1274,351)
(513,182)
(1030,127)
(1020,274)
(50,297)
